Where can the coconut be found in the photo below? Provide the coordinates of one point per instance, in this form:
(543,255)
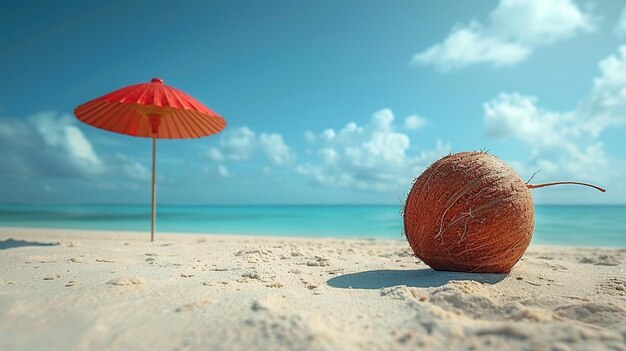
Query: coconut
(470,212)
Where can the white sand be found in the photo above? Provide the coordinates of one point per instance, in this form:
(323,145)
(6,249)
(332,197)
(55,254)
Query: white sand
(117,291)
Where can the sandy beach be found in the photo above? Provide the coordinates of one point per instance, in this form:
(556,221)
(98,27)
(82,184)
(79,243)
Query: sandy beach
(87,290)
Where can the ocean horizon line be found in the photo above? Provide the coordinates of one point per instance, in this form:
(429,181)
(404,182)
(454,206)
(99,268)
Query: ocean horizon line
(269,205)
(400,237)
(596,225)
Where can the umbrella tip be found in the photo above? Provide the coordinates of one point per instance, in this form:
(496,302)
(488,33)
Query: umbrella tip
(156,80)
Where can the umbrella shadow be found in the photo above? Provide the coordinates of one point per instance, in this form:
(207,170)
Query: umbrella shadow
(419,278)
(12,243)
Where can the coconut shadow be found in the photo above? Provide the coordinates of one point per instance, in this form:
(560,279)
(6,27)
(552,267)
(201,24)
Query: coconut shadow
(418,278)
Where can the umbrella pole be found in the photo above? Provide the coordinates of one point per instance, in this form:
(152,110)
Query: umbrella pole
(153,216)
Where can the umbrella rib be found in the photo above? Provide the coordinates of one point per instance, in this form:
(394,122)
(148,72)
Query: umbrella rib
(166,127)
(139,89)
(174,123)
(129,120)
(181,105)
(92,109)
(98,114)
(86,109)
(198,123)
(113,117)
(144,90)
(214,127)
(212,120)
(208,122)
(157,95)
(181,102)
(143,128)
(120,95)
(171,98)
(198,127)
(195,133)
(184,123)
(121,111)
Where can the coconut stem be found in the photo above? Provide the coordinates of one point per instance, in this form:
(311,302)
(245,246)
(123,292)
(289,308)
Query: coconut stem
(535,186)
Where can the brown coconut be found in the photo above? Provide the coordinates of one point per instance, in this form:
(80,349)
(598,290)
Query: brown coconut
(470,212)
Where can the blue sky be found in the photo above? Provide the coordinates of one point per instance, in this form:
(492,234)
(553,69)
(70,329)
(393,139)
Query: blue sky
(326,101)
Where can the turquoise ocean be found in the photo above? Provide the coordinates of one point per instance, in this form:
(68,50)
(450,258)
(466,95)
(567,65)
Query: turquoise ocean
(556,225)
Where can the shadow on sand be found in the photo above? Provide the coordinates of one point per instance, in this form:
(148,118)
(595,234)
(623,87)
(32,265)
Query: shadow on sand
(419,278)
(12,243)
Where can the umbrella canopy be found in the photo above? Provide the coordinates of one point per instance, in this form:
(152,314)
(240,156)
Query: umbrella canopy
(151,110)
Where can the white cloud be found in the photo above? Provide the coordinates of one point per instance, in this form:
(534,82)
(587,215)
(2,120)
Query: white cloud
(216,171)
(515,115)
(52,145)
(222,171)
(235,144)
(130,168)
(414,122)
(469,45)
(606,104)
(59,131)
(556,141)
(215,154)
(16,133)
(514,29)
(46,143)
(374,156)
(310,137)
(240,144)
(566,144)
(276,150)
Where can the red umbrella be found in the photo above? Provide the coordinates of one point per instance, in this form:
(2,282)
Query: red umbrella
(151,110)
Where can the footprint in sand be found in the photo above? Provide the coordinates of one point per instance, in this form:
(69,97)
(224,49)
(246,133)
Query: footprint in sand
(601,260)
(592,312)
(105,260)
(613,286)
(192,306)
(319,261)
(545,257)
(252,276)
(69,243)
(124,281)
